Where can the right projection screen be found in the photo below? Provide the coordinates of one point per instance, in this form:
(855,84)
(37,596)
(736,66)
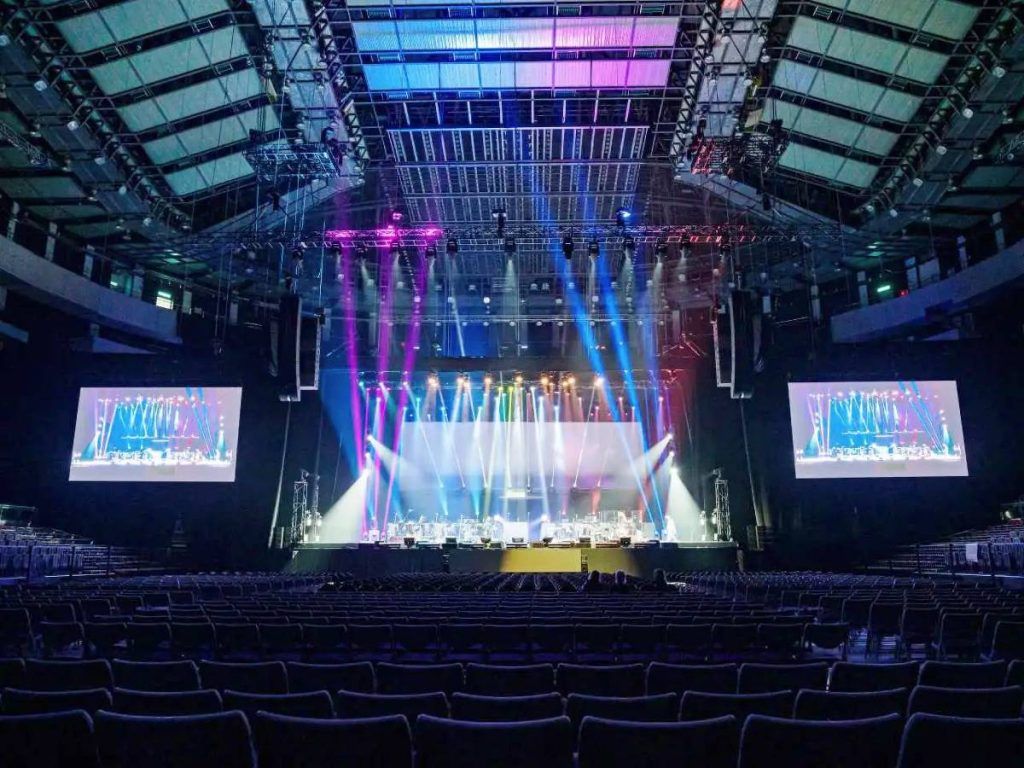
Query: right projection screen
(876,429)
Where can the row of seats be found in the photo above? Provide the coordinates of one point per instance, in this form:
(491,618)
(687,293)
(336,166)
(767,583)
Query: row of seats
(233,739)
(959,635)
(609,680)
(808,704)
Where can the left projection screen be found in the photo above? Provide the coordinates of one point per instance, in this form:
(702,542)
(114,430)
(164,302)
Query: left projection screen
(156,434)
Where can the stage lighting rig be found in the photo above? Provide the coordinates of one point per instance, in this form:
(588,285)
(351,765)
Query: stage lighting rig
(622,217)
(500,219)
(593,248)
(567,246)
(629,247)
(510,246)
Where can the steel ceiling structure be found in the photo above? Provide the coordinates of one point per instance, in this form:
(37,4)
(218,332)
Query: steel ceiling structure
(853,130)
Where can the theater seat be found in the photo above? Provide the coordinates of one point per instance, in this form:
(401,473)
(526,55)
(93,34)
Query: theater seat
(490,680)
(358,676)
(67,675)
(287,742)
(679,678)
(615,680)
(967,702)
(833,705)
(933,740)
(312,704)
(771,742)
(356,705)
(506,709)
(51,740)
(696,705)
(419,678)
(18,702)
(663,708)
(140,741)
(265,677)
(850,677)
(762,678)
(459,744)
(155,675)
(168,703)
(607,743)
(948,674)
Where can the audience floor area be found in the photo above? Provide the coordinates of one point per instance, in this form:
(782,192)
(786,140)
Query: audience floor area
(710,668)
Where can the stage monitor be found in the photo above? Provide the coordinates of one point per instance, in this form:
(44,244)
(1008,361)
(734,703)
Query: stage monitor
(156,434)
(874,429)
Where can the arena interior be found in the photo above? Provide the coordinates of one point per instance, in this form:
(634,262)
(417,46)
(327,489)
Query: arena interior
(519,383)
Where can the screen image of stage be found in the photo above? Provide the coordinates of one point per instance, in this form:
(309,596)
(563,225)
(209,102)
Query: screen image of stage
(156,434)
(867,429)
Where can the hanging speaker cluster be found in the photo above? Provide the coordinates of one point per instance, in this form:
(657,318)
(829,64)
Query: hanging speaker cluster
(297,348)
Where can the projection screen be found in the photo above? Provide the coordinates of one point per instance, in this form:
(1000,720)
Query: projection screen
(156,434)
(876,429)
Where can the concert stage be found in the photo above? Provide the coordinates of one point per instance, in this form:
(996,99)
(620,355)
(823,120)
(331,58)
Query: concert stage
(368,560)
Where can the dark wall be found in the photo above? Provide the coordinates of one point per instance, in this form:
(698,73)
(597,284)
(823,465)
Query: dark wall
(830,522)
(227,523)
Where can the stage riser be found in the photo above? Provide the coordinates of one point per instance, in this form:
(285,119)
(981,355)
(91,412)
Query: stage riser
(369,562)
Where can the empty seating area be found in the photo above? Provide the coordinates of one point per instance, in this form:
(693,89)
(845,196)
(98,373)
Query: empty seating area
(994,549)
(729,669)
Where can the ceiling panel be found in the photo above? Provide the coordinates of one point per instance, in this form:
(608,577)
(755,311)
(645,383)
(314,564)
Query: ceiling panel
(826,127)
(865,50)
(29,187)
(943,18)
(168,61)
(194,100)
(606,73)
(515,33)
(825,165)
(135,18)
(209,174)
(845,91)
(58,212)
(210,135)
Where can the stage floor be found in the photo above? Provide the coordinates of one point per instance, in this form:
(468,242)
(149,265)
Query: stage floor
(367,561)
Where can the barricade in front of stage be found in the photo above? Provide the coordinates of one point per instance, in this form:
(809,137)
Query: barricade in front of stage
(365,561)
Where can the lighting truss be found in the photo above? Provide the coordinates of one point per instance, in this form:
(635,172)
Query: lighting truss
(35,155)
(303,162)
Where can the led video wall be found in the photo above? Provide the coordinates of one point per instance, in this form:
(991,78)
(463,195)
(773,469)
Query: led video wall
(876,429)
(156,434)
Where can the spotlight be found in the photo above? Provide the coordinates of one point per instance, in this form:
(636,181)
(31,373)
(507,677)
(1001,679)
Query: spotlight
(397,216)
(147,221)
(40,85)
(968,113)
(519,379)
(498,214)
(593,248)
(4,40)
(544,380)
(100,159)
(452,247)
(567,246)
(629,247)
(122,190)
(510,246)
(432,381)
(622,217)
(73,125)
(598,381)
(999,71)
